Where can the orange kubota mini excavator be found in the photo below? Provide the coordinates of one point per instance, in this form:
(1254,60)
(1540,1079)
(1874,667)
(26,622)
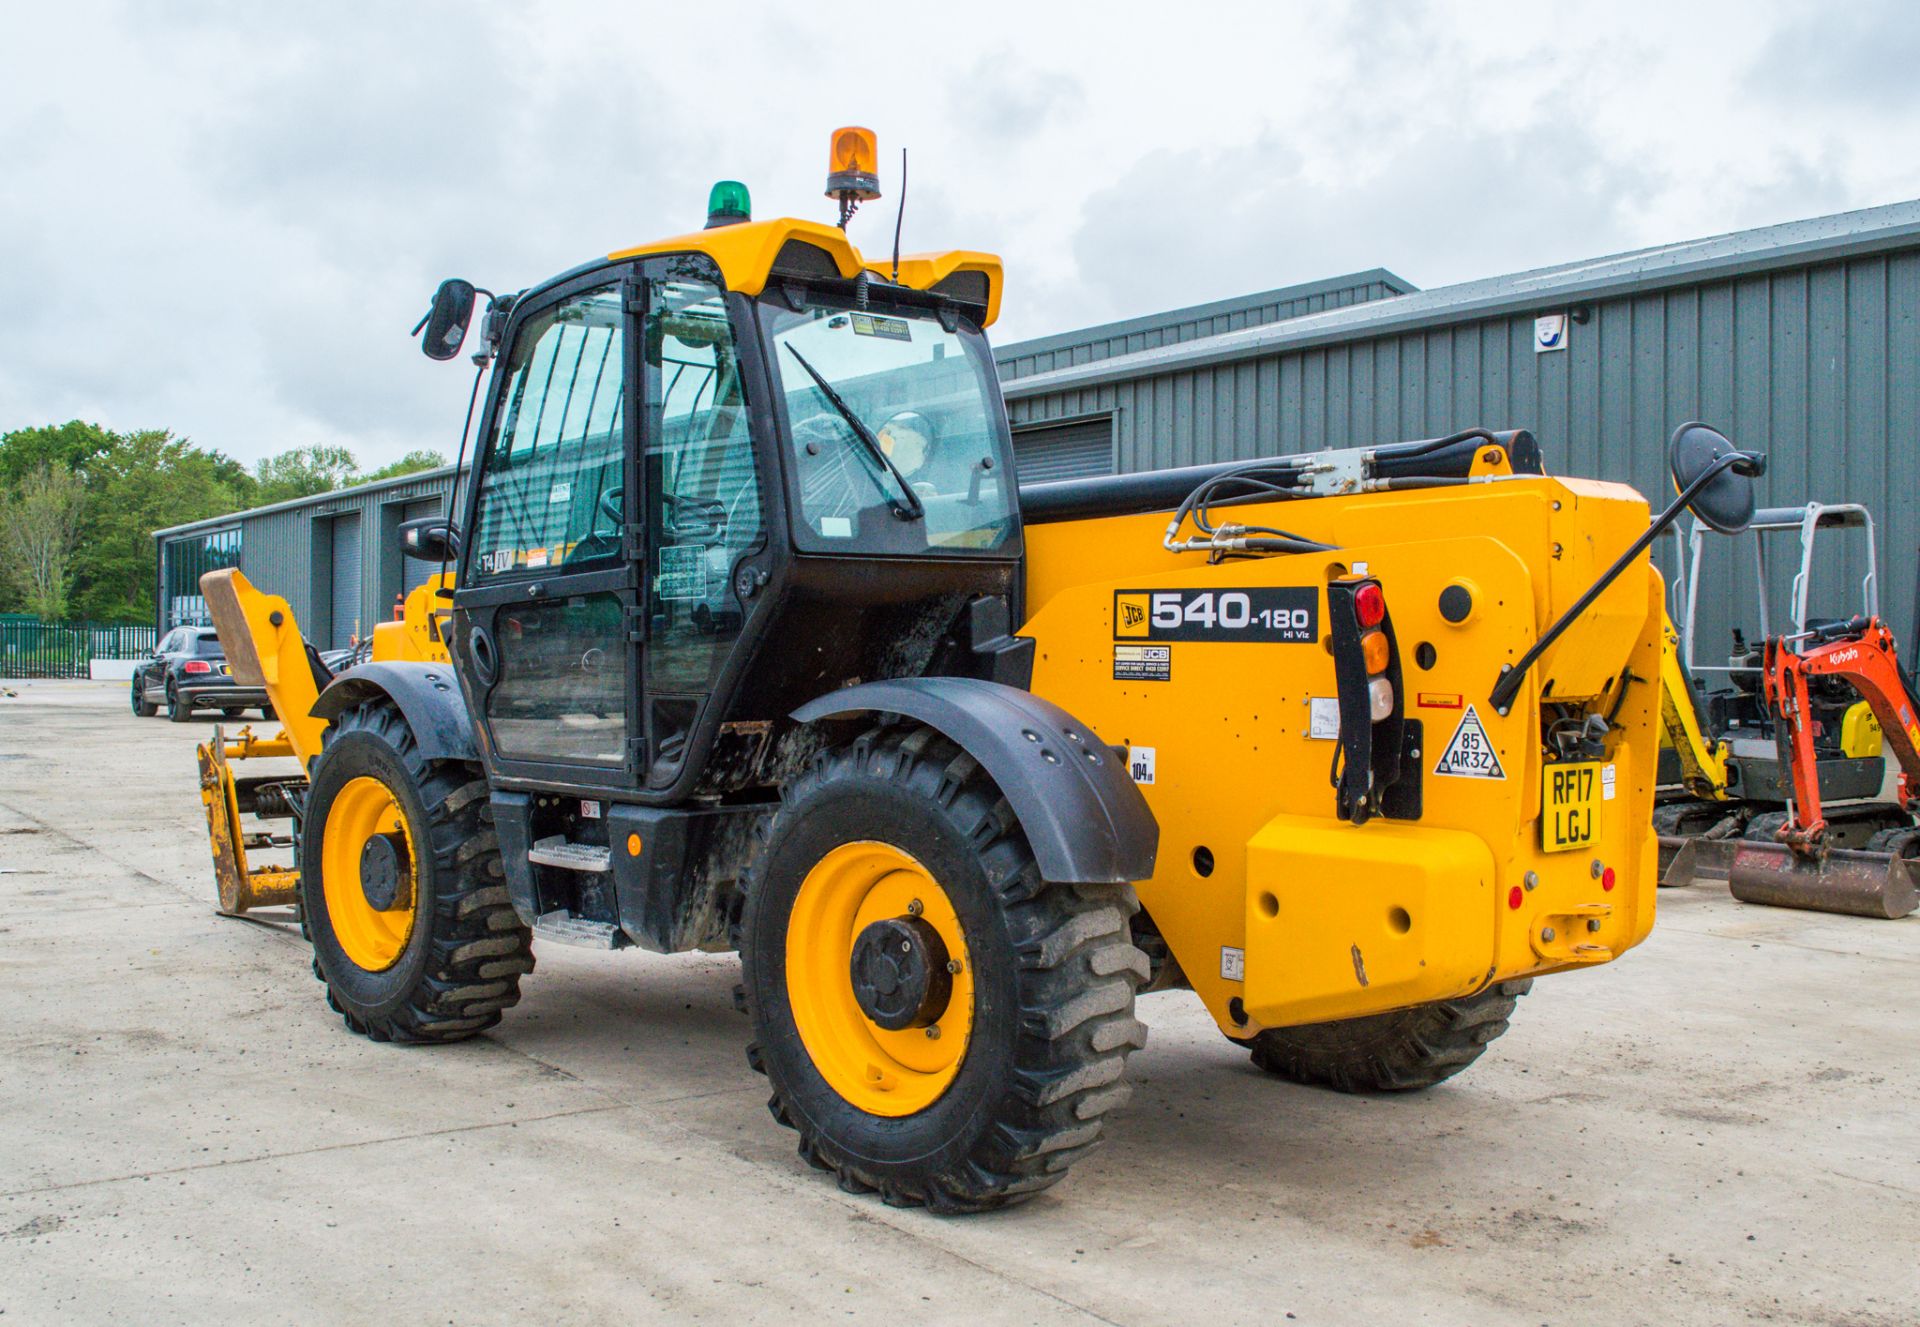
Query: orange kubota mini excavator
(1800,869)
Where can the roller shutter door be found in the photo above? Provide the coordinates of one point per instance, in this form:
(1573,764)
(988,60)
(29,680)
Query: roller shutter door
(1076,450)
(413,572)
(347,610)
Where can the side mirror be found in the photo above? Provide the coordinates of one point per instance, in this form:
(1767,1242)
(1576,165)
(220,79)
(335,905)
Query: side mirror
(446,322)
(1726,501)
(430,538)
(1715,482)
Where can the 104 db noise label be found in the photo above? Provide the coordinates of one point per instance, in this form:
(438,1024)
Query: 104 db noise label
(1284,614)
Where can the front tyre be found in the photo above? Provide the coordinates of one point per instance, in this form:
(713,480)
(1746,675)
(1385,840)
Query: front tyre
(938,1022)
(1400,1051)
(402,887)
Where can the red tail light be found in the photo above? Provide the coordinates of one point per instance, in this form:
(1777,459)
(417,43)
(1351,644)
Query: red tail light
(1369,604)
(196,666)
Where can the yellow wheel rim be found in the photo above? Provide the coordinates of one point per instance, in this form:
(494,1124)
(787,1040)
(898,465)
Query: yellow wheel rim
(881,1071)
(373,938)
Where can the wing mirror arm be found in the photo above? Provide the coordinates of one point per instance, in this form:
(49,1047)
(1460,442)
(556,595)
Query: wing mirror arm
(1694,473)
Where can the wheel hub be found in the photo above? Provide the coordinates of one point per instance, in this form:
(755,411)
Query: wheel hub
(386,875)
(900,973)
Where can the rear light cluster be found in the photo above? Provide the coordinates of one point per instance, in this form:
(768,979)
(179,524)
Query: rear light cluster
(1370,607)
(1373,765)
(196,666)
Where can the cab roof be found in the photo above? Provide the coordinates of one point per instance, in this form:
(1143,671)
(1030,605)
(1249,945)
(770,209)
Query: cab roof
(751,253)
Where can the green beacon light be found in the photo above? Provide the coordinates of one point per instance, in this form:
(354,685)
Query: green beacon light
(728,204)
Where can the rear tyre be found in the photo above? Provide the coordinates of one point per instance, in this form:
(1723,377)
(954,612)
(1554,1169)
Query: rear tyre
(142,707)
(970,1059)
(1394,1052)
(178,710)
(401,887)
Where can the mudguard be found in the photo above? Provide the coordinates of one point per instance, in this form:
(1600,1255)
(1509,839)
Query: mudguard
(1082,814)
(427,695)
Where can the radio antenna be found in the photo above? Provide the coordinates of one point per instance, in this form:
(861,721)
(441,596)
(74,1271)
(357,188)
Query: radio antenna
(899,212)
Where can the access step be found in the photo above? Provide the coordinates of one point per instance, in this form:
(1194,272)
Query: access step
(568,856)
(563,928)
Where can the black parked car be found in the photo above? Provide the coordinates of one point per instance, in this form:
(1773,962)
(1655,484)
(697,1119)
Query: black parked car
(188,672)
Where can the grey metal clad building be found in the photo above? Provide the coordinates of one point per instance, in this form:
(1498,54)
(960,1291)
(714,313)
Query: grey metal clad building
(1051,445)
(1802,340)
(336,557)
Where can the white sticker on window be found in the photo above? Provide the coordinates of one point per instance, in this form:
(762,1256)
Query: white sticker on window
(836,527)
(1140,763)
(683,572)
(1323,718)
(562,492)
(1233,963)
(537,557)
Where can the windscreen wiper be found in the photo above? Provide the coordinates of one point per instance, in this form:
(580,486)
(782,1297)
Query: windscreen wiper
(911,507)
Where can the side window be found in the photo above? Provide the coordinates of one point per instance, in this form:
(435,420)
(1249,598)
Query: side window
(550,491)
(703,487)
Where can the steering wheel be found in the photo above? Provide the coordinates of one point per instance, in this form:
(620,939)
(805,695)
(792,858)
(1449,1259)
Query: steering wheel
(710,514)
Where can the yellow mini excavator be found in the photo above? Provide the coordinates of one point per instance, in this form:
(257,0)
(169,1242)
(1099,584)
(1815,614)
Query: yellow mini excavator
(754,643)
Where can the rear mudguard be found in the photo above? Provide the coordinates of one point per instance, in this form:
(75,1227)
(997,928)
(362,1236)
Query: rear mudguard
(1082,814)
(426,695)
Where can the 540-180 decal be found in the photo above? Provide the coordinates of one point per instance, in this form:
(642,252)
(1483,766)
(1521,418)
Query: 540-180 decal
(1286,614)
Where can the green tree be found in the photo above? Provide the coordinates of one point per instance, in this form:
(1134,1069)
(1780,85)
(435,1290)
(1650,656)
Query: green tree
(132,484)
(39,529)
(411,463)
(149,480)
(71,446)
(304,471)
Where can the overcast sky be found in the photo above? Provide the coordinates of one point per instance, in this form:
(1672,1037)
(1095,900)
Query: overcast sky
(224,219)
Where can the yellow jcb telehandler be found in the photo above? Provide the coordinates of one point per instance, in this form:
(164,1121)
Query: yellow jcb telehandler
(755,644)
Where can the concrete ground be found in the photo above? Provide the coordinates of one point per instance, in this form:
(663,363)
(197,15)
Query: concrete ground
(1720,1128)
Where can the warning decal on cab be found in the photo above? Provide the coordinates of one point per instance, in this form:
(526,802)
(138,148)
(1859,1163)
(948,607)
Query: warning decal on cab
(1470,754)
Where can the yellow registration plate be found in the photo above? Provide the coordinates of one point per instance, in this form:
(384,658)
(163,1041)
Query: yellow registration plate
(1570,797)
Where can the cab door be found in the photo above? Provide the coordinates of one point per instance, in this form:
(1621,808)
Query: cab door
(543,617)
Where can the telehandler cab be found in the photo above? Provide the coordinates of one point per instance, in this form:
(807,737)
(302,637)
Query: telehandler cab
(755,644)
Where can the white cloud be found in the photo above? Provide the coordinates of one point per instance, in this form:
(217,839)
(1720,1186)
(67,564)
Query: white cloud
(223,219)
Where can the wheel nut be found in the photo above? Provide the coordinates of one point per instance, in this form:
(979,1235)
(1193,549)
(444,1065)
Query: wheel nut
(1546,935)
(953,966)
(933,1033)
(915,908)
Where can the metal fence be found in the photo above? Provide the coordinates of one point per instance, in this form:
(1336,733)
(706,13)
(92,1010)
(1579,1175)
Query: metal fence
(32,648)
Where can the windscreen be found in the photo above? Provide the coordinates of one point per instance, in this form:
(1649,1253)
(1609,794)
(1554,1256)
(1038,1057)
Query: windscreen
(897,434)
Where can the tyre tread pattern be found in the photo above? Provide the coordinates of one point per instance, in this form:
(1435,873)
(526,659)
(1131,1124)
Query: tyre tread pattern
(1078,971)
(1401,1051)
(479,947)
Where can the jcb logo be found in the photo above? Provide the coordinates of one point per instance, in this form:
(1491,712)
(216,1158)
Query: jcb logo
(1130,615)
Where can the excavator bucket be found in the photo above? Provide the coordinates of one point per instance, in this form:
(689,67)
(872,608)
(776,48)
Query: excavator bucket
(1692,860)
(1843,880)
